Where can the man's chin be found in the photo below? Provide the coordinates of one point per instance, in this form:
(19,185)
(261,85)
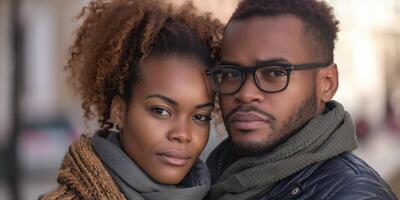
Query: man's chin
(249,149)
(251,143)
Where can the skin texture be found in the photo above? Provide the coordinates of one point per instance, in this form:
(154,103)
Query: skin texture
(257,121)
(165,126)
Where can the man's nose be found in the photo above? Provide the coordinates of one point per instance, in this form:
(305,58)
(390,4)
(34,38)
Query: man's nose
(249,92)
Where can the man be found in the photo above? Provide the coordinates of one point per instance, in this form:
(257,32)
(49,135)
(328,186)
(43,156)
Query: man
(287,138)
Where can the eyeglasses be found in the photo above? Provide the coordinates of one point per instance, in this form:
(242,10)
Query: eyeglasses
(269,77)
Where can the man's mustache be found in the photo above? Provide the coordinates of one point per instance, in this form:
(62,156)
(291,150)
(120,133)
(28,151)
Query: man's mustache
(241,108)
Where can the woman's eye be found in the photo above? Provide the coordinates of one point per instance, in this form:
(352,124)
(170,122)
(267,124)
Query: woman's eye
(160,111)
(203,118)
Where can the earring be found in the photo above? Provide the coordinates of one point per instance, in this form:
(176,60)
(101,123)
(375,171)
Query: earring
(118,128)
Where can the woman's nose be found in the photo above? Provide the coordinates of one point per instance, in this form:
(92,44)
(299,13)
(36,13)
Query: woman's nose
(181,132)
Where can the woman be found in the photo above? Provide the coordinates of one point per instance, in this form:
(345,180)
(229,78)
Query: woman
(139,66)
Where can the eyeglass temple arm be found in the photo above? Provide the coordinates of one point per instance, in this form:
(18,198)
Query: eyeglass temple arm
(308,66)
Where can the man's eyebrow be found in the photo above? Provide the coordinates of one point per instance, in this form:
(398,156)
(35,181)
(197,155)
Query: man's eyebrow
(225,62)
(258,62)
(162,97)
(209,104)
(272,60)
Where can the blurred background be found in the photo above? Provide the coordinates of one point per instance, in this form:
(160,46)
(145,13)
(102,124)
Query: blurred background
(40,116)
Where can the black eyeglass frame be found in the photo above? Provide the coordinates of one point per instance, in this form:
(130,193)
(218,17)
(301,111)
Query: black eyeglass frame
(243,70)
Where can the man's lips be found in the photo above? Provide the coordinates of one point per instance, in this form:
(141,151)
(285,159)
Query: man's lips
(247,121)
(174,157)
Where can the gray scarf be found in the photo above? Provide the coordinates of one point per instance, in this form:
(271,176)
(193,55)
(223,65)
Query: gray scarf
(324,137)
(137,185)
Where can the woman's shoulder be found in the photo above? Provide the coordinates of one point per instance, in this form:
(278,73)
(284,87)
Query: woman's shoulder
(81,169)
(61,192)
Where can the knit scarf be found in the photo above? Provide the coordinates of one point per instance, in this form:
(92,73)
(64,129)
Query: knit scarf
(137,185)
(324,137)
(83,175)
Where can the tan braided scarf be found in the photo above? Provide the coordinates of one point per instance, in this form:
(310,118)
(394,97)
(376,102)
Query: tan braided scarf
(83,176)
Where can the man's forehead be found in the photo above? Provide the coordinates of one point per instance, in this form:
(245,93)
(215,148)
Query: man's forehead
(262,38)
(261,23)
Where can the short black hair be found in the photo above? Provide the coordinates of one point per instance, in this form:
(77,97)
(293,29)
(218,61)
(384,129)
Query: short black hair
(318,18)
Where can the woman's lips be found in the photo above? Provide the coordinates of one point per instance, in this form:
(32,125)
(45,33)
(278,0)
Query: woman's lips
(174,157)
(247,121)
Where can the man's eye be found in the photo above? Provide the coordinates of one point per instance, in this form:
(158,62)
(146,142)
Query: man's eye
(203,118)
(277,73)
(160,111)
(273,72)
(230,75)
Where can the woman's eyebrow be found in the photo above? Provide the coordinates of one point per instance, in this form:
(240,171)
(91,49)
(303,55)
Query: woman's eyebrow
(170,101)
(162,97)
(209,104)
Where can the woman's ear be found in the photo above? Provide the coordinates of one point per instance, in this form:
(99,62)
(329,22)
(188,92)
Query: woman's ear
(117,112)
(328,82)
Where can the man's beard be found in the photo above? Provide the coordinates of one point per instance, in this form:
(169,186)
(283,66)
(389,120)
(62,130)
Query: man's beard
(295,122)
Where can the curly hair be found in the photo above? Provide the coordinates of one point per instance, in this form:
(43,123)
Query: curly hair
(319,20)
(117,35)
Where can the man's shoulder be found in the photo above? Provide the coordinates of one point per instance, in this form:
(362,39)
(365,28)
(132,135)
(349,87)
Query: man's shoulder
(342,177)
(344,166)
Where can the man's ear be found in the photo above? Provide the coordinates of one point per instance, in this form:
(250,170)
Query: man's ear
(118,111)
(328,82)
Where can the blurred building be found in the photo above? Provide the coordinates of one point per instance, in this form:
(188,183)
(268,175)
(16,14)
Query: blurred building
(367,54)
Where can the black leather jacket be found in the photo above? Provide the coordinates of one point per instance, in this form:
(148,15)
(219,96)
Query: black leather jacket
(344,177)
